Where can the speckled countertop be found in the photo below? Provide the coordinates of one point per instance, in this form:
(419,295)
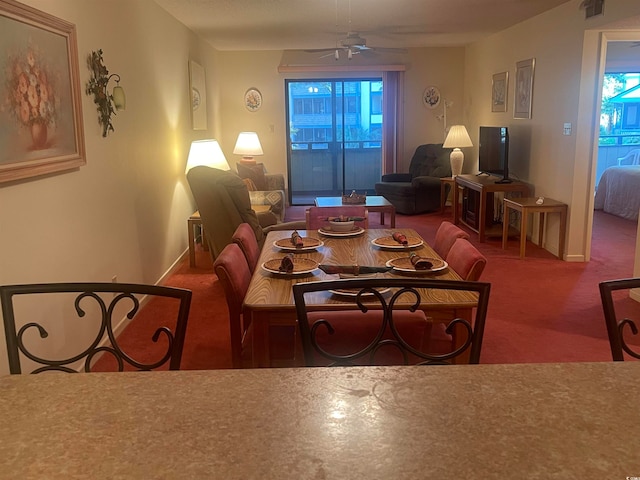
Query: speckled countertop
(534,421)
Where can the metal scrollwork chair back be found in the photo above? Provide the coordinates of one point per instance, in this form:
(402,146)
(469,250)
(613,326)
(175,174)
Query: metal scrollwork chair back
(385,323)
(91,308)
(617,328)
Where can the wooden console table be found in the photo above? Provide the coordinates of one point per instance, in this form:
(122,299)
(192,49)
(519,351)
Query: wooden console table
(478,191)
(528,205)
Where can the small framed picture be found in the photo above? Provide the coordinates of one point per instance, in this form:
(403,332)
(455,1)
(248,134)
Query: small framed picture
(431,97)
(499,90)
(198,93)
(253,99)
(523,95)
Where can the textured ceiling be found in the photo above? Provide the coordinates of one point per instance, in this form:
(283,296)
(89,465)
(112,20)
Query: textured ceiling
(307,24)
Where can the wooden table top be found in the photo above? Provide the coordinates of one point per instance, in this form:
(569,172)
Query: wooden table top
(273,291)
(543,421)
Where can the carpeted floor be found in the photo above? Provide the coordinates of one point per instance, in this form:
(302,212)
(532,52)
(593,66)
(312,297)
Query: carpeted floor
(541,309)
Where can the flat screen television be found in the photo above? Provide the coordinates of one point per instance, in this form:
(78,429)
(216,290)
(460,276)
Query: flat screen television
(493,152)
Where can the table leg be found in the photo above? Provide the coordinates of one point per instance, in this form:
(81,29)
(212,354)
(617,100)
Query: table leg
(541,225)
(381,217)
(392,214)
(562,226)
(505,227)
(192,246)
(524,216)
(481,216)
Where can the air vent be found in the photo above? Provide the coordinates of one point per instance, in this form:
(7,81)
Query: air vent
(592,7)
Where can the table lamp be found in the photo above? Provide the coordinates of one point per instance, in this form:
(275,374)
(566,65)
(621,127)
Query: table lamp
(207,153)
(457,138)
(248,145)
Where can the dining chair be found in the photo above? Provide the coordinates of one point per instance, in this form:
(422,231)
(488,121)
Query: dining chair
(233,271)
(617,326)
(446,235)
(316,217)
(466,260)
(97,310)
(381,328)
(245,238)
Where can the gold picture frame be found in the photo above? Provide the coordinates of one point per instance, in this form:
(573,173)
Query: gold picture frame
(41,127)
(523,95)
(499,92)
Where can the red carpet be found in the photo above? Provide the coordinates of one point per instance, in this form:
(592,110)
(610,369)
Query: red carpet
(541,309)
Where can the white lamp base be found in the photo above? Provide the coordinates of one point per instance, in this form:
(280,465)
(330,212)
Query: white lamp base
(457,159)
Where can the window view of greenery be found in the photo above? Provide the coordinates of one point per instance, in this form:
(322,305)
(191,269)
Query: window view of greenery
(620,109)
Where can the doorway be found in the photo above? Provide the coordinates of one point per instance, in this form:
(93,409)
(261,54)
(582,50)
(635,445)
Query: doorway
(334,144)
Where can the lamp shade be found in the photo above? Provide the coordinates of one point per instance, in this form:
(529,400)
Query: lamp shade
(207,153)
(248,145)
(457,138)
(119,99)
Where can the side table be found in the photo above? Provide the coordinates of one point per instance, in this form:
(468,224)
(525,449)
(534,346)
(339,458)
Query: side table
(193,221)
(526,206)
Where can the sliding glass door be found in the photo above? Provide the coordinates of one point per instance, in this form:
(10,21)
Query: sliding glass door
(335,137)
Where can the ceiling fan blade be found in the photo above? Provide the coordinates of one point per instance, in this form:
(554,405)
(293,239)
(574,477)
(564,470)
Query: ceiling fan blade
(389,50)
(320,50)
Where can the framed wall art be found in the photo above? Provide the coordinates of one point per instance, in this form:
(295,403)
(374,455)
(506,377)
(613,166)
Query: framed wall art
(499,90)
(41,128)
(431,97)
(523,96)
(252,99)
(198,95)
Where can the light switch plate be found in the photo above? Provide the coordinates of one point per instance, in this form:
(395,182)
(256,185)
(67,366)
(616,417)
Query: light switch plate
(567,129)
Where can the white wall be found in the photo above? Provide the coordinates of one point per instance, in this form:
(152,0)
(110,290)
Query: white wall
(564,91)
(125,212)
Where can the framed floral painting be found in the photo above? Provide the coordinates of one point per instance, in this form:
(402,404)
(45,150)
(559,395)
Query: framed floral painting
(40,104)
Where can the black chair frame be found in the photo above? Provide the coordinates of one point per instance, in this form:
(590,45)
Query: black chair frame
(616,328)
(370,286)
(85,290)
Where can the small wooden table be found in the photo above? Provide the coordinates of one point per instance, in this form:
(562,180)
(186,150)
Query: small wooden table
(192,222)
(373,204)
(526,206)
(444,181)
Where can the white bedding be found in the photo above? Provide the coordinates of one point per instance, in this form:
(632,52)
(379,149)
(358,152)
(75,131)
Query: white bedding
(618,192)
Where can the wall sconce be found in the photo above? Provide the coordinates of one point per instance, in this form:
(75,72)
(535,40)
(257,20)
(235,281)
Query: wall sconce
(97,86)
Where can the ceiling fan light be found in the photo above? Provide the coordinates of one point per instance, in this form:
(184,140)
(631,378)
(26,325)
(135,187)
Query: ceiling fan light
(349,54)
(336,55)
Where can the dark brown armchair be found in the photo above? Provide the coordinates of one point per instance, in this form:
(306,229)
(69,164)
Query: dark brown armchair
(419,190)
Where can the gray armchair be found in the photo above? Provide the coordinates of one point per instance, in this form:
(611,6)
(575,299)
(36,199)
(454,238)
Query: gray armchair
(419,190)
(224,203)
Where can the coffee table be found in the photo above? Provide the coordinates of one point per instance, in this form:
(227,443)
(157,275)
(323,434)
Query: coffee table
(373,203)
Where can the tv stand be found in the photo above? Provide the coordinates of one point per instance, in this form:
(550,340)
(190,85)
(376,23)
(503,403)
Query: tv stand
(476,210)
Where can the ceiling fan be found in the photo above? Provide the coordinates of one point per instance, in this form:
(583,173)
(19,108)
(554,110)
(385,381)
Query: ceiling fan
(354,44)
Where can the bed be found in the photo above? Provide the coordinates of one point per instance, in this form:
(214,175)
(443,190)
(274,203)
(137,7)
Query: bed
(618,191)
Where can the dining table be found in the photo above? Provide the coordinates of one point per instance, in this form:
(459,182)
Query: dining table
(269,299)
(547,421)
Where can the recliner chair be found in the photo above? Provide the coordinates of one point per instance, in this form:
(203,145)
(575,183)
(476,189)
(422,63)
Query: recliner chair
(223,201)
(419,190)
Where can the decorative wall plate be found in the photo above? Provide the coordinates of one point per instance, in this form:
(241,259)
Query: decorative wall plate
(431,97)
(253,99)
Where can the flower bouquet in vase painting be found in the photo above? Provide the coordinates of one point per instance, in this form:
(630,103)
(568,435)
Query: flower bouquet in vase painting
(31,95)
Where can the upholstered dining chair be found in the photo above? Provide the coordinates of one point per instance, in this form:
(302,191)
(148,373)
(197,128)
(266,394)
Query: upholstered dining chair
(233,271)
(446,235)
(316,217)
(95,309)
(383,330)
(617,322)
(466,260)
(246,240)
